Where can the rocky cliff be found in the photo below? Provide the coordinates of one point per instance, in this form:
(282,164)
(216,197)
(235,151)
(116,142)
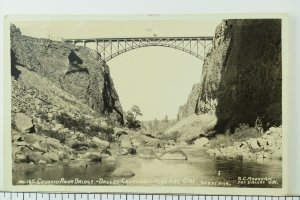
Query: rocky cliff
(77,70)
(242,75)
(189,107)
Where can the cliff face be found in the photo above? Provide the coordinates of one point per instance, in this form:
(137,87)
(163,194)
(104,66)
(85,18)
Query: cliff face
(77,70)
(189,107)
(241,76)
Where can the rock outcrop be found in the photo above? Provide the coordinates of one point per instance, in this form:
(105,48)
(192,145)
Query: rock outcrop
(78,70)
(268,146)
(242,75)
(189,107)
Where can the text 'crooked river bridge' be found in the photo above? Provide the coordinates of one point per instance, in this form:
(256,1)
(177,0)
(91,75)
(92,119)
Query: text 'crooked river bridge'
(109,48)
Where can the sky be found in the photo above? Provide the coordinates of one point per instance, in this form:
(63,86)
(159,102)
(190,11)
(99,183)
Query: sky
(157,79)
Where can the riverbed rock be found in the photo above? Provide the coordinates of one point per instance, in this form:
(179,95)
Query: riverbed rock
(125,145)
(173,155)
(22,122)
(136,142)
(51,156)
(34,157)
(146,152)
(111,160)
(78,163)
(93,156)
(122,172)
(42,162)
(201,142)
(125,141)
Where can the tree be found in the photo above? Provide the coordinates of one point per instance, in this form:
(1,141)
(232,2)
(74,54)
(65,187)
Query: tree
(136,110)
(155,123)
(166,120)
(131,118)
(150,125)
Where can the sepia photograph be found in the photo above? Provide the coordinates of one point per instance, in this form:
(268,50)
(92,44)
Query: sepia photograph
(146,101)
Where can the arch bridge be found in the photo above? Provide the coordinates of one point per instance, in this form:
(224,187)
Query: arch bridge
(109,48)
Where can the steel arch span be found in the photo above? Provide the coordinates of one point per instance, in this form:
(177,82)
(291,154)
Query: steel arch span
(109,48)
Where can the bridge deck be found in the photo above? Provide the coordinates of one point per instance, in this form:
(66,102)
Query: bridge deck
(137,38)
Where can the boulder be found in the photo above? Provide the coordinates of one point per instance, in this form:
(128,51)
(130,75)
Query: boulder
(214,152)
(201,142)
(151,142)
(55,144)
(20,158)
(22,122)
(51,156)
(120,131)
(78,163)
(122,172)
(32,138)
(124,151)
(253,143)
(183,144)
(276,130)
(18,138)
(42,162)
(146,152)
(57,127)
(102,144)
(109,159)
(93,156)
(22,143)
(41,146)
(136,142)
(171,142)
(34,157)
(125,142)
(173,155)
(103,124)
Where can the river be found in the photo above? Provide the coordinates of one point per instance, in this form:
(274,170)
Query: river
(200,170)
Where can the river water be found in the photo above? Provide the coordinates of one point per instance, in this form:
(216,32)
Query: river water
(198,170)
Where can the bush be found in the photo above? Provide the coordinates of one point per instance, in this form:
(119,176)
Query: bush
(81,125)
(131,118)
(240,134)
(54,134)
(273,116)
(131,121)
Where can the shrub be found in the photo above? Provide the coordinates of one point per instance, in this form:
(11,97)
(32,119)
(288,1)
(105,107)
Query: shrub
(273,116)
(81,125)
(131,118)
(54,134)
(240,134)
